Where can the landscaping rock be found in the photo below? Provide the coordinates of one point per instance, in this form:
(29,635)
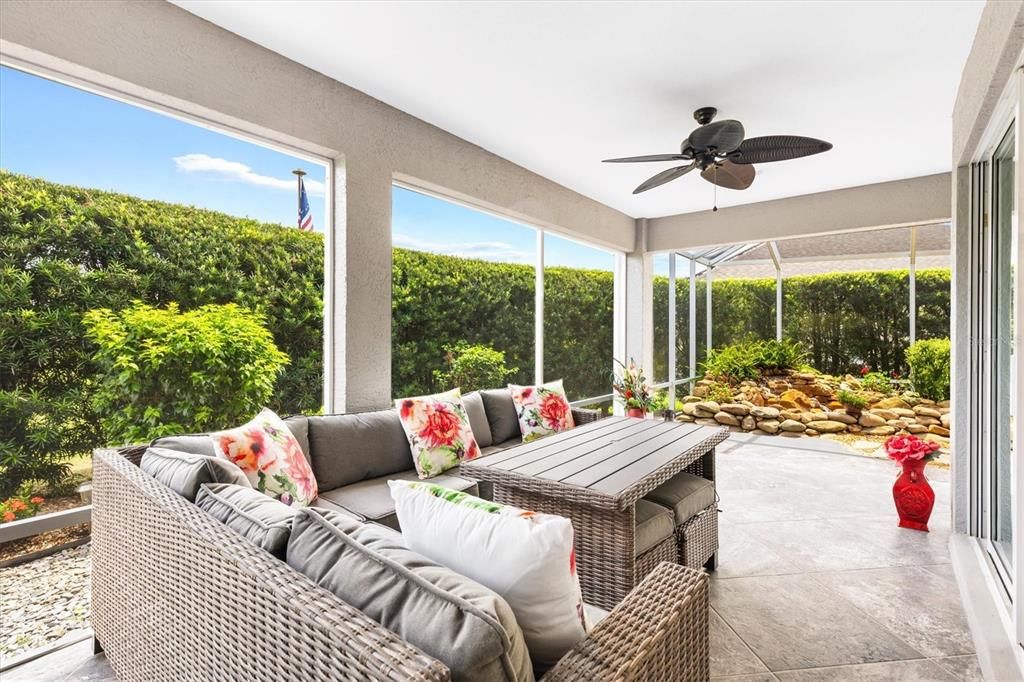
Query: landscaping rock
(810,432)
(727,419)
(903,412)
(685,418)
(884,430)
(736,409)
(928,421)
(796,399)
(854,428)
(689,409)
(791,414)
(769,426)
(841,417)
(938,430)
(765,412)
(925,411)
(884,413)
(827,426)
(870,420)
(946,419)
(942,404)
(706,422)
(748,423)
(889,403)
(708,406)
(792,426)
(916,428)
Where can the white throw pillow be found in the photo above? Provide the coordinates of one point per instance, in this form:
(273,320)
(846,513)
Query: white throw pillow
(525,557)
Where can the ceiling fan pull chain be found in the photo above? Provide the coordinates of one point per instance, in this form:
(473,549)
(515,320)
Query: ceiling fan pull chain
(715,202)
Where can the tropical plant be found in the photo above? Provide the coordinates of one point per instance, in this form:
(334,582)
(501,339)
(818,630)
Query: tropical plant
(876,381)
(22,505)
(851,399)
(929,368)
(472,367)
(163,371)
(719,392)
(776,355)
(749,359)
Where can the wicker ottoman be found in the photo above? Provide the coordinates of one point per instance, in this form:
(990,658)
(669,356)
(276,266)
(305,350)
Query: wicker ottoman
(692,499)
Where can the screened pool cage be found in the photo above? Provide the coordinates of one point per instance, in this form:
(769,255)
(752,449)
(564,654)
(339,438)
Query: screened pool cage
(907,247)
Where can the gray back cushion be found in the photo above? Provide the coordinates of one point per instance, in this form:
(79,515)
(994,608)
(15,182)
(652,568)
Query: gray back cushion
(185,472)
(501,414)
(202,444)
(474,404)
(258,518)
(347,448)
(463,624)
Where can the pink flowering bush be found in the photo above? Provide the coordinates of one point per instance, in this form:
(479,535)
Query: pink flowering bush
(910,447)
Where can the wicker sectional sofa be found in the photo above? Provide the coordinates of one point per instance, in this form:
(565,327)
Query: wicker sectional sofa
(177,595)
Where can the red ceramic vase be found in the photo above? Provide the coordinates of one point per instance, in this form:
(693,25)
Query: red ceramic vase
(637,412)
(913,496)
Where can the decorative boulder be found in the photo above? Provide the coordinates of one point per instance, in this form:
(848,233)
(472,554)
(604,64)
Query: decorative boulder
(925,411)
(726,419)
(736,409)
(827,426)
(765,412)
(748,423)
(889,403)
(938,430)
(796,398)
(884,430)
(870,420)
(685,418)
(769,426)
(884,413)
(917,428)
(792,426)
(841,417)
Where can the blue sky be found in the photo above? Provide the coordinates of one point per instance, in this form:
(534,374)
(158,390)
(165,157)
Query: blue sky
(66,135)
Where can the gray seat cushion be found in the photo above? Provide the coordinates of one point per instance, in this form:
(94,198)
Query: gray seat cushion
(202,444)
(463,624)
(258,518)
(327,505)
(185,472)
(685,494)
(371,499)
(653,525)
(347,448)
(501,414)
(474,404)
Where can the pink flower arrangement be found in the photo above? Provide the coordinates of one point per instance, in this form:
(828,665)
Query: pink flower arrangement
(910,447)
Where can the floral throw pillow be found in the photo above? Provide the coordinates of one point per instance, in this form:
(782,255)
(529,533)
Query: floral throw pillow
(267,452)
(438,431)
(543,410)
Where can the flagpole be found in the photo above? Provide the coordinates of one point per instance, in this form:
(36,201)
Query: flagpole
(298,195)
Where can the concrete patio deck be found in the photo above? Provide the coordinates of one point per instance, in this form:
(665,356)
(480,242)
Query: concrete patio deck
(816,582)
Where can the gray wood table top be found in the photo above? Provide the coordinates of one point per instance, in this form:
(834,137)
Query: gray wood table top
(616,457)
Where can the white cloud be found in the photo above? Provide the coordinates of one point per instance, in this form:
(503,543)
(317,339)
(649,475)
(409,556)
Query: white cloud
(239,172)
(493,251)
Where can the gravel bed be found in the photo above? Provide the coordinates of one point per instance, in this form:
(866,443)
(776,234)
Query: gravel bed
(43,601)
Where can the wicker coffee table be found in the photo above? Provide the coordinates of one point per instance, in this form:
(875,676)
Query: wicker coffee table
(593,475)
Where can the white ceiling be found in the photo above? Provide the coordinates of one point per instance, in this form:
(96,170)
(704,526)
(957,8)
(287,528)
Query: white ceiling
(556,87)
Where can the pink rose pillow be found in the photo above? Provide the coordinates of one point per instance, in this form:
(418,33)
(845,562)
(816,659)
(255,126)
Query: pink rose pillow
(270,457)
(438,431)
(543,410)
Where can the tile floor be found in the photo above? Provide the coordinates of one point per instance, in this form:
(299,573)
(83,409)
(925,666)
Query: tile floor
(815,581)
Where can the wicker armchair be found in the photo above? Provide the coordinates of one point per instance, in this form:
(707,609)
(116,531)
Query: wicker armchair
(176,595)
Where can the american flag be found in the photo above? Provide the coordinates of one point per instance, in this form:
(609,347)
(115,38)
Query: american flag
(305,216)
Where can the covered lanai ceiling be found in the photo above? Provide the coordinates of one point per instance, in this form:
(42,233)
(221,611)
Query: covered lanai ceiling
(556,87)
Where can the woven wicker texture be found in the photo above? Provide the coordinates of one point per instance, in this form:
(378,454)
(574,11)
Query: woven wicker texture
(698,538)
(179,596)
(659,634)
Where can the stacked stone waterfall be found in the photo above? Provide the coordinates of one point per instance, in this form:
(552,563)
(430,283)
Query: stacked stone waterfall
(805,404)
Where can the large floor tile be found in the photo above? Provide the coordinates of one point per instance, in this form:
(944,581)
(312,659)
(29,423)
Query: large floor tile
(922,607)
(793,622)
(729,655)
(756,677)
(965,668)
(905,671)
(55,666)
(742,554)
(912,547)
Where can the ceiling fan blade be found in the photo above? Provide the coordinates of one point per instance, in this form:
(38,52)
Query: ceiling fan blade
(777,148)
(723,136)
(663,177)
(649,157)
(729,175)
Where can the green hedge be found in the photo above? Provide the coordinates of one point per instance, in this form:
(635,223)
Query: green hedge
(67,250)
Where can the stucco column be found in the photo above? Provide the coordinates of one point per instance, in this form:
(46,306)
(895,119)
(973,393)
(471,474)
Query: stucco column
(640,302)
(360,296)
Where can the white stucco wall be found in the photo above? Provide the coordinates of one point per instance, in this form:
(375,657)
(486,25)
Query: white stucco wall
(913,201)
(164,55)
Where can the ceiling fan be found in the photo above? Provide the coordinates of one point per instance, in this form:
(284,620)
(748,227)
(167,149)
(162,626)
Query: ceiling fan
(723,156)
